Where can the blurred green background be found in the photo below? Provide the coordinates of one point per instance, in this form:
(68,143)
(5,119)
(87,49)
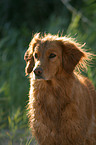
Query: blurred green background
(19,20)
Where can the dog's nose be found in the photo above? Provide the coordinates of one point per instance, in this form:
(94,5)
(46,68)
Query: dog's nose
(38,71)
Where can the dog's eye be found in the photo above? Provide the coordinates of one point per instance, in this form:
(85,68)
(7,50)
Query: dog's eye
(52,55)
(36,55)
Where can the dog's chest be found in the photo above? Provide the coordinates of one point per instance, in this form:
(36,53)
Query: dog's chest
(45,106)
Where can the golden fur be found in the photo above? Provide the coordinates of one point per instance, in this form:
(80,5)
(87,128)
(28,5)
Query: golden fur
(62,103)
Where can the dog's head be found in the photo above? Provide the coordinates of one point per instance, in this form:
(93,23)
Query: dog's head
(48,56)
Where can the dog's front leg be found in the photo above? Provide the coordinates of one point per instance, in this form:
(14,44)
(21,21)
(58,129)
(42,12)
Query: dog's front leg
(43,135)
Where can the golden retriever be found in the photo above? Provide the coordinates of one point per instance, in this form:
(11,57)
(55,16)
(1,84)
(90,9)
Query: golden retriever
(62,103)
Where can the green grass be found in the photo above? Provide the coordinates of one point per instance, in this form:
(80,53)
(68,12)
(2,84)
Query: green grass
(15,130)
(20,137)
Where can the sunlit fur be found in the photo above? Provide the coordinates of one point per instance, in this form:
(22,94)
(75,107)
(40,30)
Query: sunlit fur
(62,105)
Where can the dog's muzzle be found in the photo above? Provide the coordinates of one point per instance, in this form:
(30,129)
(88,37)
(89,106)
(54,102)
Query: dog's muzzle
(38,73)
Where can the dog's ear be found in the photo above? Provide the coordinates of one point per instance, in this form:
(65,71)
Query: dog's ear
(29,62)
(29,54)
(72,54)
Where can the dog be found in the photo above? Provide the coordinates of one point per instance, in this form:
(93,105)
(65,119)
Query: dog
(62,102)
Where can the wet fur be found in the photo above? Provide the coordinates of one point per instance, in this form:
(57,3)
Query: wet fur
(62,106)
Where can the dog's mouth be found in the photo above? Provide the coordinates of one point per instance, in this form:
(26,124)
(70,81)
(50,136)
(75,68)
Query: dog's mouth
(41,78)
(38,77)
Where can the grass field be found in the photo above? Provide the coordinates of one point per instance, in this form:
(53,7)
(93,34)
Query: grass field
(20,137)
(14,129)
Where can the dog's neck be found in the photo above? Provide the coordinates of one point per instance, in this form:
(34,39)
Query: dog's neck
(50,97)
(43,88)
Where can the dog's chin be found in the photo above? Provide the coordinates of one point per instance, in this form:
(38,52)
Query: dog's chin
(41,78)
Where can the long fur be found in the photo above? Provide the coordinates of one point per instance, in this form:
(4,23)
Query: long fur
(62,109)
